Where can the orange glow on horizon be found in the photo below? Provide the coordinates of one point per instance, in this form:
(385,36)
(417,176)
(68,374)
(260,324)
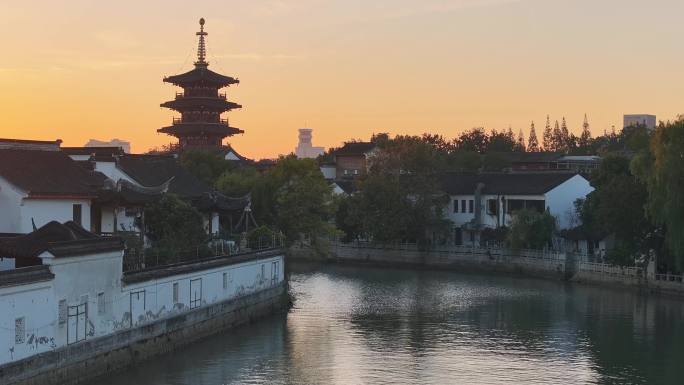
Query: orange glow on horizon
(87,70)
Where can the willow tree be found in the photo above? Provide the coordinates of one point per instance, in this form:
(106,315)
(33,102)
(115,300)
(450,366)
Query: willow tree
(662,168)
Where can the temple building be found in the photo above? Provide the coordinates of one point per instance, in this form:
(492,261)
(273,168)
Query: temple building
(200,104)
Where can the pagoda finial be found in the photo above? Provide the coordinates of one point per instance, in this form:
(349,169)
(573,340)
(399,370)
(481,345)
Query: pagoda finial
(201,47)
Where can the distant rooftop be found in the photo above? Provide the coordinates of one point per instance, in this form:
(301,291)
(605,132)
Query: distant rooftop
(24,144)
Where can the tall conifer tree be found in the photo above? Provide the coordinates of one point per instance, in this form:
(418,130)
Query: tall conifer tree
(532,142)
(521,140)
(557,137)
(548,135)
(585,138)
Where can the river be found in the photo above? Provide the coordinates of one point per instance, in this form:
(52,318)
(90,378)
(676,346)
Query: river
(356,325)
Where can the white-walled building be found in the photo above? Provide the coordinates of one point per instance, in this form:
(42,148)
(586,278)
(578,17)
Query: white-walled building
(39,184)
(68,287)
(489,200)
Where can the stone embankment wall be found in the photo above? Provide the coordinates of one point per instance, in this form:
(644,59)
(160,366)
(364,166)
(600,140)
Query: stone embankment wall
(527,262)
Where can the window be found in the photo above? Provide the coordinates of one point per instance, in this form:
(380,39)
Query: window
(78,214)
(62,310)
(463,206)
(514,205)
(492,208)
(471,206)
(175,292)
(101,303)
(195,293)
(263,273)
(19,331)
(76,325)
(456,206)
(225,281)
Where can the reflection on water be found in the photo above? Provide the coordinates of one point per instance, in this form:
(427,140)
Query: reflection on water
(381,326)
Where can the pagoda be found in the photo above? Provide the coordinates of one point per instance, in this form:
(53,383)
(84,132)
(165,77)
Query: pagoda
(200,104)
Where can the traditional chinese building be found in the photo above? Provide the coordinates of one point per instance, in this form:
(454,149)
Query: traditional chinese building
(200,104)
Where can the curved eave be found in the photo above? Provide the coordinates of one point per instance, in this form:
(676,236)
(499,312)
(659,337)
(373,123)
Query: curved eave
(215,104)
(199,75)
(200,129)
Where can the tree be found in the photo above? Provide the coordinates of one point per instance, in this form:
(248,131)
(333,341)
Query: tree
(294,198)
(521,141)
(661,167)
(475,140)
(502,142)
(565,142)
(400,199)
(175,228)
(206,166)
(237,183)
(617,206)
(530,229)
(548,136)
(532,142)
(557,138)
(584,142)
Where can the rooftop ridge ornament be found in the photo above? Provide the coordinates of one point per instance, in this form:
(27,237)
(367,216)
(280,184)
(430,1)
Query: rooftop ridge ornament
(201,47)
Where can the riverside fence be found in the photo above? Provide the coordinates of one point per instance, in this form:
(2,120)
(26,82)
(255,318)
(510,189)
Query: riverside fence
(544,263)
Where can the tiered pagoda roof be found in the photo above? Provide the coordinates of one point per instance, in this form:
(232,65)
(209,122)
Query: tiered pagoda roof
(200,104)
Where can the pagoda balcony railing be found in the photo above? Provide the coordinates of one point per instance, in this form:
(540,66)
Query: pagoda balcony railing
(181,95)
(181,121)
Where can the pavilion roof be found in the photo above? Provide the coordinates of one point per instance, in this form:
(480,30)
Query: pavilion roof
(199,75)
(200,128)
(218,104)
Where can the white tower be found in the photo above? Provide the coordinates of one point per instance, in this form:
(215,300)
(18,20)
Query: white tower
(305,149)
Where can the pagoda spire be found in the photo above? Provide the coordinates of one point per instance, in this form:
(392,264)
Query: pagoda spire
(201,46)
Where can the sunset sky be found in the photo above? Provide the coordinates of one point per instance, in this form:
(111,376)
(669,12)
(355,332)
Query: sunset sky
(77,70)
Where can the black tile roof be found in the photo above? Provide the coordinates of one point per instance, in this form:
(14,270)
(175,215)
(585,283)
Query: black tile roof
(155,170)
(504,183)
(62,240)
(201,74)
(95,151)
(47,173)
(355,148)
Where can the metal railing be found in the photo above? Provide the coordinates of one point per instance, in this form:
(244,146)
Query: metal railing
(669,278)
(457,249)
(612,270)
(139,258)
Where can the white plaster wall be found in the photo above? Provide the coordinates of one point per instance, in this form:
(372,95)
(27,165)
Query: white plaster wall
(34,302)
(44,211)
(77,277)
(84,277)
(124,222)
(107,221)
(10,202)
(242,279)
(112,172)
(6,263)
(460,218)
(329,172)
(561,200)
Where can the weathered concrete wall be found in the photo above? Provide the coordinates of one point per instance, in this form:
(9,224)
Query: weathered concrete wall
(457,258)
(95,357)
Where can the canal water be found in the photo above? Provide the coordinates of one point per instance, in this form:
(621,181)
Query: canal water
(355,325)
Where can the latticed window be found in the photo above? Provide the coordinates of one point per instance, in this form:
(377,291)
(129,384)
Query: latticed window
(19,330)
